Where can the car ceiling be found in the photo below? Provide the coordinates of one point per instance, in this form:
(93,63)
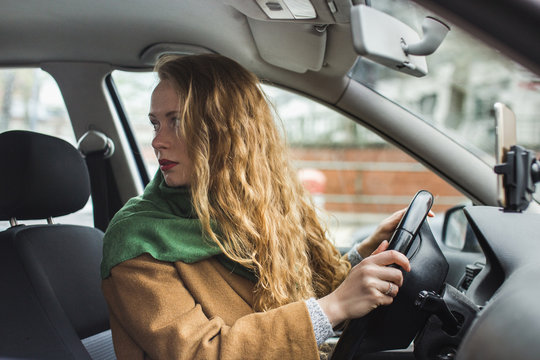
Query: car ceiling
(119,33)
(115,31)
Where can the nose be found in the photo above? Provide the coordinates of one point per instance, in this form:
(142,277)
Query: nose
(162,139)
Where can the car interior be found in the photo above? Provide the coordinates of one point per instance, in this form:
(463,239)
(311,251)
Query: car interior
(370,70)
(55,304)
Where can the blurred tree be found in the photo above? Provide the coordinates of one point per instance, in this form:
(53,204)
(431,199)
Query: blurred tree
(7,98)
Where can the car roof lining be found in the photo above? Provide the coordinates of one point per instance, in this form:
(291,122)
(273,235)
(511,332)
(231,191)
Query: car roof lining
(76,30)
(82,31)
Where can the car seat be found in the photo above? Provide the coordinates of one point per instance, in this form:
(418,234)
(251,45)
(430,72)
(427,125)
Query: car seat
(51,305)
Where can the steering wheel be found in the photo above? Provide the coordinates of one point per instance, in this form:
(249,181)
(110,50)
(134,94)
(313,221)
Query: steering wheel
(396,325)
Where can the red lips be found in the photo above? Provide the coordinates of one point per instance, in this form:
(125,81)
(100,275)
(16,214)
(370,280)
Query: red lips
(165,164)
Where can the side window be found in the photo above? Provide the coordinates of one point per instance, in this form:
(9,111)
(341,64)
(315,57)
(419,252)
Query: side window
(30,100)
(134,90)
(355,177)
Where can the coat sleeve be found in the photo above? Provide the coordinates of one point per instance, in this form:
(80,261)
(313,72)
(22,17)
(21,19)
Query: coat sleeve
(152,313)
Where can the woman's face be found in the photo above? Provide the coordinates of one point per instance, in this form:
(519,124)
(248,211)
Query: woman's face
(169,147)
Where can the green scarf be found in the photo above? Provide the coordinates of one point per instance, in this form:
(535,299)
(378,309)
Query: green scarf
(161,222)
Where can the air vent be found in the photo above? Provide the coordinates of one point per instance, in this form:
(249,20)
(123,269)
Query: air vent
(470,273)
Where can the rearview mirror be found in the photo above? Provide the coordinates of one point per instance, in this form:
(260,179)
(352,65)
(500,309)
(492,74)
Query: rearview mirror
(386,40)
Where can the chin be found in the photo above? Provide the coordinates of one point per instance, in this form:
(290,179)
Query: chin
(171,181)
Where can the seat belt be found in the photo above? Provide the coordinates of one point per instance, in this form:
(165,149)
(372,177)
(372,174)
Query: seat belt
(97,148)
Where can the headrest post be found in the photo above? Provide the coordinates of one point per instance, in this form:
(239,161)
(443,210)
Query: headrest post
(13,222)
(49,220)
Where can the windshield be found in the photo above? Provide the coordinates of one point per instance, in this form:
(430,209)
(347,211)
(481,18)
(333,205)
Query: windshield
(466,78)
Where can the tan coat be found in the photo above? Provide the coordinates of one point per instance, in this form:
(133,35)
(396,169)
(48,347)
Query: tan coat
(163,310)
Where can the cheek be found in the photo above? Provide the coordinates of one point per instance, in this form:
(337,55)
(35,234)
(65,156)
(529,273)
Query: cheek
(189,165)
(182,149)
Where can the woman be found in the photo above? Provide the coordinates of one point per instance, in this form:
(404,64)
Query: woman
(223,256)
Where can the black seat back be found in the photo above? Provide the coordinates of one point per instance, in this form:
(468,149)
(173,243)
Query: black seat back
(51,304)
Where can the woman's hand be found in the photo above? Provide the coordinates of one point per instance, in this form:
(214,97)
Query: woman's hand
(369,285)
(383,232)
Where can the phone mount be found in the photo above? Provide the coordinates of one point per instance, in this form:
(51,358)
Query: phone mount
(521,172)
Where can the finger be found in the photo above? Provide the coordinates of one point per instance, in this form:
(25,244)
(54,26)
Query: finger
(391,222)
(385,273)
(391,257)
(396,217)
(400,212)
(390,289)
(390,274)
(382,247)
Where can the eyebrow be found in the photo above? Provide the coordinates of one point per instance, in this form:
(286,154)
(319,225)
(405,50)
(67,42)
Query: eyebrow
(170,113)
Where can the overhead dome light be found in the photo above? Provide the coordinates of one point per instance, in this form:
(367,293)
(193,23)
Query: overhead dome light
(288,9)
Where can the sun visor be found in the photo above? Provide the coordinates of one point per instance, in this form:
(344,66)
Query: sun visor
(295,47)
(292,34)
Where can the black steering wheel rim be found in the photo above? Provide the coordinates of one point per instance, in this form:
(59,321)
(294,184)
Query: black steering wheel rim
(396,325)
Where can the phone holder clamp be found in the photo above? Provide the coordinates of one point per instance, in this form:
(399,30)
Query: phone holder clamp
(521,172)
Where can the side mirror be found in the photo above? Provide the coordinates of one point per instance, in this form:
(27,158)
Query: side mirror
(386,40)
(456,232)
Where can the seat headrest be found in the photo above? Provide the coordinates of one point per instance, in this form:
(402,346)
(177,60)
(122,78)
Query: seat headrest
(41,176)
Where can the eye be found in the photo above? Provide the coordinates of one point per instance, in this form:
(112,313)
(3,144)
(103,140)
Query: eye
(175,121)
(155,124)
